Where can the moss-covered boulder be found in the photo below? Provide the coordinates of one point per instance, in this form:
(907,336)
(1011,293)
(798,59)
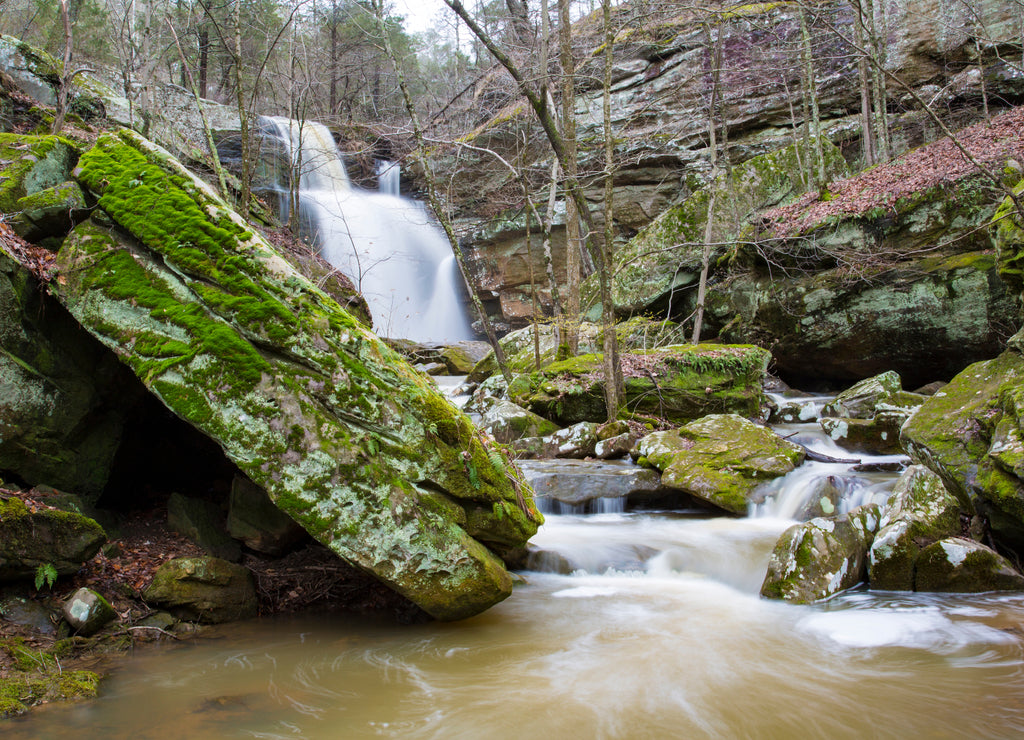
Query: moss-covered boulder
(960,565)
(821,557)
(1008,236)
(31,164)
(507,422)
(867,417)
(926,317)
(970,433)
(31,539)
(721,459)
(635,334)
(678,382)
(920,511)
(63,396)
(206,589)
(343,434)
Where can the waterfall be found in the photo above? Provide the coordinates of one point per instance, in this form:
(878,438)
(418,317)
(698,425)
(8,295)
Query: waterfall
(389,177)
(387,245)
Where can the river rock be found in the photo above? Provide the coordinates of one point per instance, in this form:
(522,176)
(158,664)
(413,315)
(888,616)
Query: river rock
(678,383)
(343,434)
(578,483)
(253,519)
(31,539)
(508,422)
(867,417)
(206,589)
(88,612)
(28,613)
(819,558)
(920,511)
(960,565)
(970,434)
(721,459)
(202,522)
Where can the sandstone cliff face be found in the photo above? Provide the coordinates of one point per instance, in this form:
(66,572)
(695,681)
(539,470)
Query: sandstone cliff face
(660,108)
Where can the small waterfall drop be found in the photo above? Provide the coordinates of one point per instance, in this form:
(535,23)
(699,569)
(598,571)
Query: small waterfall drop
(387,245)
(389,177)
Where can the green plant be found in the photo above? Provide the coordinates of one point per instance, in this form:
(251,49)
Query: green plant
(46,574)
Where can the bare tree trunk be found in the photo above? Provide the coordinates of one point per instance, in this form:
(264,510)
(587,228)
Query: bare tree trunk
(569,172)
(207,131)
(539,103)
(806,51)
(66,75)
(868,135)
(244,195)
(613,383)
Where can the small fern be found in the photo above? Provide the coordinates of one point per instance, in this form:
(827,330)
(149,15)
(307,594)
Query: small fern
(46,574)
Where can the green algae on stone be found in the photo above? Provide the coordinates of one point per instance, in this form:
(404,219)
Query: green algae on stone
(919,511)
(38,677)
(677,382)
(817,559)
(343,434)
(1008,236)
(31,539)
(721,459)
(969,433)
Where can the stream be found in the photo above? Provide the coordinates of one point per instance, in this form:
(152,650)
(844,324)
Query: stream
(631,625)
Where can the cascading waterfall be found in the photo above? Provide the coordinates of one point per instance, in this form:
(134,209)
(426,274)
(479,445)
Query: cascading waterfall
(387,245)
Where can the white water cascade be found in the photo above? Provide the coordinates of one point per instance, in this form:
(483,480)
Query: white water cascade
(387,245)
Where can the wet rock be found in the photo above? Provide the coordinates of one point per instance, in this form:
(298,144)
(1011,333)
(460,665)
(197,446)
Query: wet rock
(867,417)
(253,519)
(970,434)
(721,459)
(88,612)
(919,512)
(460,358)
(19,610)
(577,441)
(208,590)
(508,422)
(343,434)
(50,212)
(62,394)
(60,538)
(678,383)
(615,447)
(158,621)
(794,411)
(959,565)
(203,523)
(578,483)
(819,558)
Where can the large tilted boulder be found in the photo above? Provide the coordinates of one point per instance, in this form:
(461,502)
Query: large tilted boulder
(961,565)
(821,557)
(343,434)
(721,459)
(678,382)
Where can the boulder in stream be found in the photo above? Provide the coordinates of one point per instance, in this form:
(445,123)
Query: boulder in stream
(205,589)
(920,511)
(721,459)
(960,565)
(341,432)
(821,557)
(867,416)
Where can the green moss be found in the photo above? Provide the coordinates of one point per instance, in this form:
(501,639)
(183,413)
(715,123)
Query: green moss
(32,164)
(38,677)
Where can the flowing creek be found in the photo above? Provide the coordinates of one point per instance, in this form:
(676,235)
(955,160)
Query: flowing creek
(645,625)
